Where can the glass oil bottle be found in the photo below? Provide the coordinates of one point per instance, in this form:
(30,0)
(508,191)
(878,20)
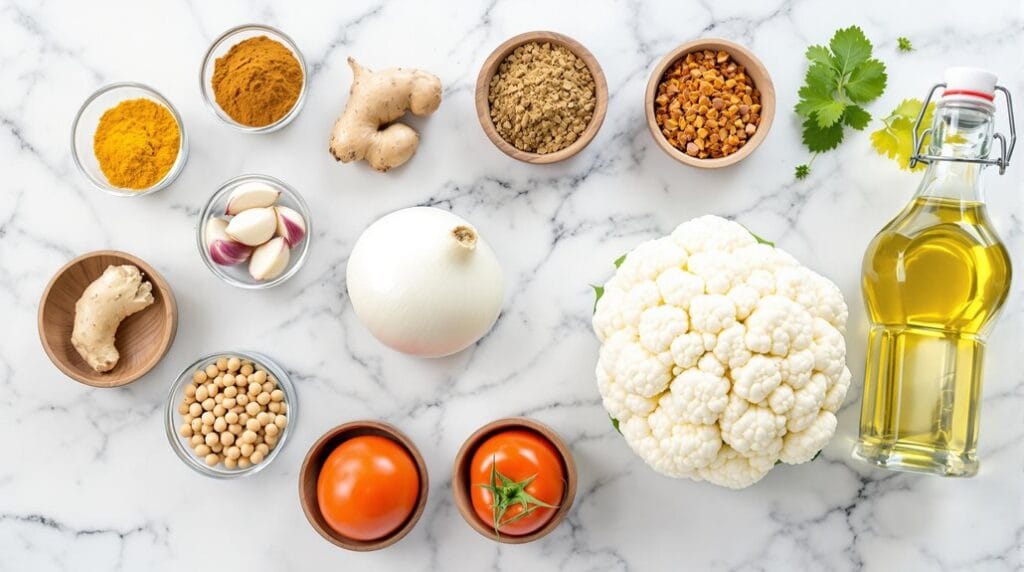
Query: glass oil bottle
(933,281)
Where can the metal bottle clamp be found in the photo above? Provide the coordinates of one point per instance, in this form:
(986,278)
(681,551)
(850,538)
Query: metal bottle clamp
(1006,150)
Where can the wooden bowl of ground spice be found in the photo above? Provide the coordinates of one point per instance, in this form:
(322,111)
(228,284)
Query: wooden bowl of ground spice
(254,78)
(541,97)
(709,103)
(128,140)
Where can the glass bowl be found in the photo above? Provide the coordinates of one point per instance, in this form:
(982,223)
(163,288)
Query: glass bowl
(221,46)
(238,275)
(172,419)
(84,126)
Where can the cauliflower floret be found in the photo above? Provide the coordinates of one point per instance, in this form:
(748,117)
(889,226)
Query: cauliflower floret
(711,233)
(755,380)
(678,287)
(641,372)
(696,397)
(735,471)
(730,348)
(835,394)
(807,402)
(778,325)
(712,313)
(720,356)
(660,326)
(802,446)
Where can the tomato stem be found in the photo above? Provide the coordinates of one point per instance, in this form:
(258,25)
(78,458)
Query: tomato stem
(507,493)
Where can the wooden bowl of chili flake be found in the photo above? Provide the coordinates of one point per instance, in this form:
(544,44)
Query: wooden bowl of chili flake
(709,103)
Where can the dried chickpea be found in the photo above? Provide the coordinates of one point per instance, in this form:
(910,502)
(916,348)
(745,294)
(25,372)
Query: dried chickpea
(197,377)
(208,418)
(254,389)
(211,371)
(235,429)
(249,437)
(226,439)
(274,407)
(231,417)
(242,399)
(232,452)
(212,438)
(201,393)
(202,450)
(234,363)
(222,364)
(264,417)
(219,410)
(244,463)
(256,457)
(197,425)
(209,403)
(281,421)
(230,391)
(277,395)
(196,440)
(252,425)
(272,430)
(263,398)
(220,425)
(261,376)
(230,463)
(185,430)
(268,386)
(195,410)
(263,448)
(212,459)
(246,370)
(246,449)
(252,408)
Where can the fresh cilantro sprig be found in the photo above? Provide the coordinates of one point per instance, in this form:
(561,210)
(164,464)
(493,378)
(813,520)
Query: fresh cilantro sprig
(895,139)
(841,79)
(903,44)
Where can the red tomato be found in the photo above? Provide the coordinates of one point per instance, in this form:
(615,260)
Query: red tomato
(367,487)
(518,456)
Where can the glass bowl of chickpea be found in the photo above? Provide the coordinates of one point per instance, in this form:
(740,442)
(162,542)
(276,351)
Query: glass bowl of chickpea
(229,414)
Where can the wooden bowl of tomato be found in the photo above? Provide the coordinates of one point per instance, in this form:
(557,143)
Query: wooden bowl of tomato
(363,485)
(514,480)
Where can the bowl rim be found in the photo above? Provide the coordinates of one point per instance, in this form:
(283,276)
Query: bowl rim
(157,97)
(339,434)
(211,102)
(173,399)
(762,81)
(158,282)
(206,213)
(490,66)
(460,482)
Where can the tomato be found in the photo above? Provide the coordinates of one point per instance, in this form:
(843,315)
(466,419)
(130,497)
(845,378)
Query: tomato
(368,487)
(518,456)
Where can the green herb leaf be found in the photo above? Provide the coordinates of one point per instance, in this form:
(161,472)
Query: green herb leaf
(615,423)
(857,117)
(759,239)
(819,55)
(895,139)
(851,48)
(830,113)
(817,139)
(817,91)
(618,261)
(866,82)
(903,44)
(802,171)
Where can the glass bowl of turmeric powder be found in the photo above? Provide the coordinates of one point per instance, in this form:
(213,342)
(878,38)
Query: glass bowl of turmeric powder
(128,140)
(254,78)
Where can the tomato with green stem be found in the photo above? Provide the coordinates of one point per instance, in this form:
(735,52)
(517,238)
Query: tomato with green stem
(517,479)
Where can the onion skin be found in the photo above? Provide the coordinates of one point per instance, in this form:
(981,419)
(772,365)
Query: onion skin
(424,282)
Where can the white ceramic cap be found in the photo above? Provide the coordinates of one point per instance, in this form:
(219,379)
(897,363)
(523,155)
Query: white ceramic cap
(974,85)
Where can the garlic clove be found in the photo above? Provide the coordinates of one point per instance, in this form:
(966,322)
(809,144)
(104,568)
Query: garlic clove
(290,225)
(269,259)
(222,248)
(229,252)
(253,226)
(251,196)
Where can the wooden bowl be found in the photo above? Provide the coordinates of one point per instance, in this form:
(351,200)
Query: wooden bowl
(461,481)
(490,67)
(142,338)
(757,72)
(310,473)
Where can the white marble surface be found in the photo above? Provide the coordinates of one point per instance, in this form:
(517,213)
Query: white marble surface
(87,480)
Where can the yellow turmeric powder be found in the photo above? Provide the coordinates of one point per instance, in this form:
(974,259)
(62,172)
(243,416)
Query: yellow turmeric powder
(136,143)
(257,82)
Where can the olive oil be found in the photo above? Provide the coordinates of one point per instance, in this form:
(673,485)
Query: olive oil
(933,280)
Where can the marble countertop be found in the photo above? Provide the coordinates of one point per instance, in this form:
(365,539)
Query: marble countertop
(87,480)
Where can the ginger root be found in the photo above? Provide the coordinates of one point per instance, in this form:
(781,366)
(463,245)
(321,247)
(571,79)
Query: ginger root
(117,294)
(365,130)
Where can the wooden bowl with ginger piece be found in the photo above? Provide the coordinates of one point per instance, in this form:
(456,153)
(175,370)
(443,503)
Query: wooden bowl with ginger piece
(142,338)
(490,67)
(755,70)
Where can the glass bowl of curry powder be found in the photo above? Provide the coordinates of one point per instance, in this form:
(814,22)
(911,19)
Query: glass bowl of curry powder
(254,78)
(128,140)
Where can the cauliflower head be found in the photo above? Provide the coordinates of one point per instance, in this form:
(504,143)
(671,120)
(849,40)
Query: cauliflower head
(720,354)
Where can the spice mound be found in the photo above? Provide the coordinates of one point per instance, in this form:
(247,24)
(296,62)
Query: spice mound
(136,143)
(233,413)
(257,82)
(707,106)
(542,98)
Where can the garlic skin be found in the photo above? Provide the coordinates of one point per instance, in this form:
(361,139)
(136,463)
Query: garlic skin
(269,259)
(424,282)
(253,227)
(251,195)
(290,225)
(222,248)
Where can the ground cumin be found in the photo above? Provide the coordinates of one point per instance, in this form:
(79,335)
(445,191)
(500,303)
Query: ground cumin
(136,143)
(542,97)
(257,82)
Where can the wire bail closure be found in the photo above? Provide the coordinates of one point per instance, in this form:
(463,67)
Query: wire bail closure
(1006,150)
